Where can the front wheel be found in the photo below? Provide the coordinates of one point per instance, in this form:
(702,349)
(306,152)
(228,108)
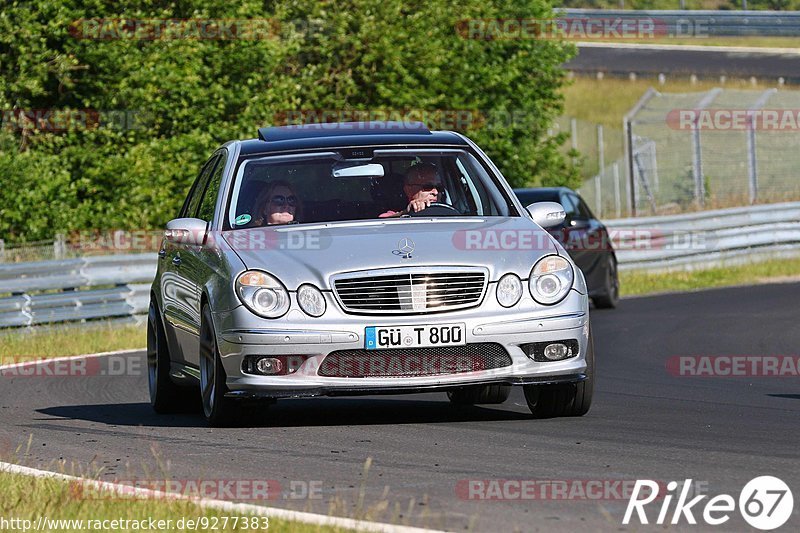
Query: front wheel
(165,395)
(564,399)
(610,296)
(218,410)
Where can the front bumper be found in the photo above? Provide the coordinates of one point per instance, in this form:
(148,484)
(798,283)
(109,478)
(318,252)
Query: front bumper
(240,334)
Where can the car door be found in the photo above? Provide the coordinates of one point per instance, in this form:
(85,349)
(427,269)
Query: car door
(199,262)
(179,294)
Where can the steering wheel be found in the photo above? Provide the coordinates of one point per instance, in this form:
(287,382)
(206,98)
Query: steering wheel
(435,209)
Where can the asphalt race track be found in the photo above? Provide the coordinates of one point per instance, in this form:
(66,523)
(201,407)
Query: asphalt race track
(706,63)
(645,423)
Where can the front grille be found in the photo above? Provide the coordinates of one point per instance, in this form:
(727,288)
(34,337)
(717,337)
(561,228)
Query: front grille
(414,362)
(410,290)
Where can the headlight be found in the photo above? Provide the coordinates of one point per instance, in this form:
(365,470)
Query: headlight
(311,300)
(551,279)
(509,290)
(262,294)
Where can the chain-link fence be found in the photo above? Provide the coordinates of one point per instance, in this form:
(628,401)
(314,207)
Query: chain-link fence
(601,153)
(35,251)
(714,149)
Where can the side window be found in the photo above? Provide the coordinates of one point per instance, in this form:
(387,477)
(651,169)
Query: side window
(583,210)
(193,200)
(569,207)
(209,201)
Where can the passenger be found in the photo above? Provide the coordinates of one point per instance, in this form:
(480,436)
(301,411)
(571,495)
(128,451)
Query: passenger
(422,187)
(279,204)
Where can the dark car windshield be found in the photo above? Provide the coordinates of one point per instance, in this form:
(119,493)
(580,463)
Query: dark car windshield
(303,188)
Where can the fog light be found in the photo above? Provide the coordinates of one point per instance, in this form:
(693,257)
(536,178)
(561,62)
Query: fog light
(549,351)
(269,365)
(557,351)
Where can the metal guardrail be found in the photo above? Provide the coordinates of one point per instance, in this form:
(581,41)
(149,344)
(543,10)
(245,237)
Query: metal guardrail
(48,292)
(706,239)
(701,23)
(114,287)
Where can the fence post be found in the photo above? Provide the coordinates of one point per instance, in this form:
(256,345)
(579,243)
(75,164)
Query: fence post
(627,127)
(598,179)
(59,246)
(617,197)
(752,160)
(697,166)
(573,127)
(2,251)
(697,148)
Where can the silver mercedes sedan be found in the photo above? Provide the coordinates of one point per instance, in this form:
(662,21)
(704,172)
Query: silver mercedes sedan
(359,259)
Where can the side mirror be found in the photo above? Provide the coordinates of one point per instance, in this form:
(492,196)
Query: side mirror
(186,231)
(369,170)
(547,214)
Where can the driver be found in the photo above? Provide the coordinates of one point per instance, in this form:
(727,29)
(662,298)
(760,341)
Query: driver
(422,186)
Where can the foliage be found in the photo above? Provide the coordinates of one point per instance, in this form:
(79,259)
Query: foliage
(179,98)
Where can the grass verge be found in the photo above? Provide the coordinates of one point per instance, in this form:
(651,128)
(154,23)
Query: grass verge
(640,283)
(29,498)
(64,341)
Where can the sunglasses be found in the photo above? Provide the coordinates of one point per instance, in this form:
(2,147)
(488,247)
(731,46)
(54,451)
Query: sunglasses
(428,186)
(281,200)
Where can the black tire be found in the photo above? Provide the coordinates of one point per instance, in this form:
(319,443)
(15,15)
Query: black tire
(218,410)
(568,399)
(479,394)
(610,296)
(165,395)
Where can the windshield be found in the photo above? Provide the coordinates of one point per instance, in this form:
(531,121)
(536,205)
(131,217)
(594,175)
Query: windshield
(325,187)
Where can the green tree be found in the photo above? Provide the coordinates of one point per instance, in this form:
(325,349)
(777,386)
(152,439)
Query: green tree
(176,99)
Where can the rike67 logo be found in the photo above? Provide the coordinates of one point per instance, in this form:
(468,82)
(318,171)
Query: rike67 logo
(765,503)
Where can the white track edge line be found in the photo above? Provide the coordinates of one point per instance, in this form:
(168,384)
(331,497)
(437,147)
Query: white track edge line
(42,360)
(269,512)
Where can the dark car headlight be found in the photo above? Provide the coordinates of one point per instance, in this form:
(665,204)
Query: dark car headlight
(551,279)
(262,294)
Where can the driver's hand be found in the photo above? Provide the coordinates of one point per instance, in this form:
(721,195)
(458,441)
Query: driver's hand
(418,205)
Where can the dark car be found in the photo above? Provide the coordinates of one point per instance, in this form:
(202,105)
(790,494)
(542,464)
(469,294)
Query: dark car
(585,238)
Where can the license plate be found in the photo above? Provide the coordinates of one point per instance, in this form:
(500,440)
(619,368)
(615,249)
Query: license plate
(383,337)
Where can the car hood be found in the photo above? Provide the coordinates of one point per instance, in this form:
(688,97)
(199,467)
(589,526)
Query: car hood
(312,253)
